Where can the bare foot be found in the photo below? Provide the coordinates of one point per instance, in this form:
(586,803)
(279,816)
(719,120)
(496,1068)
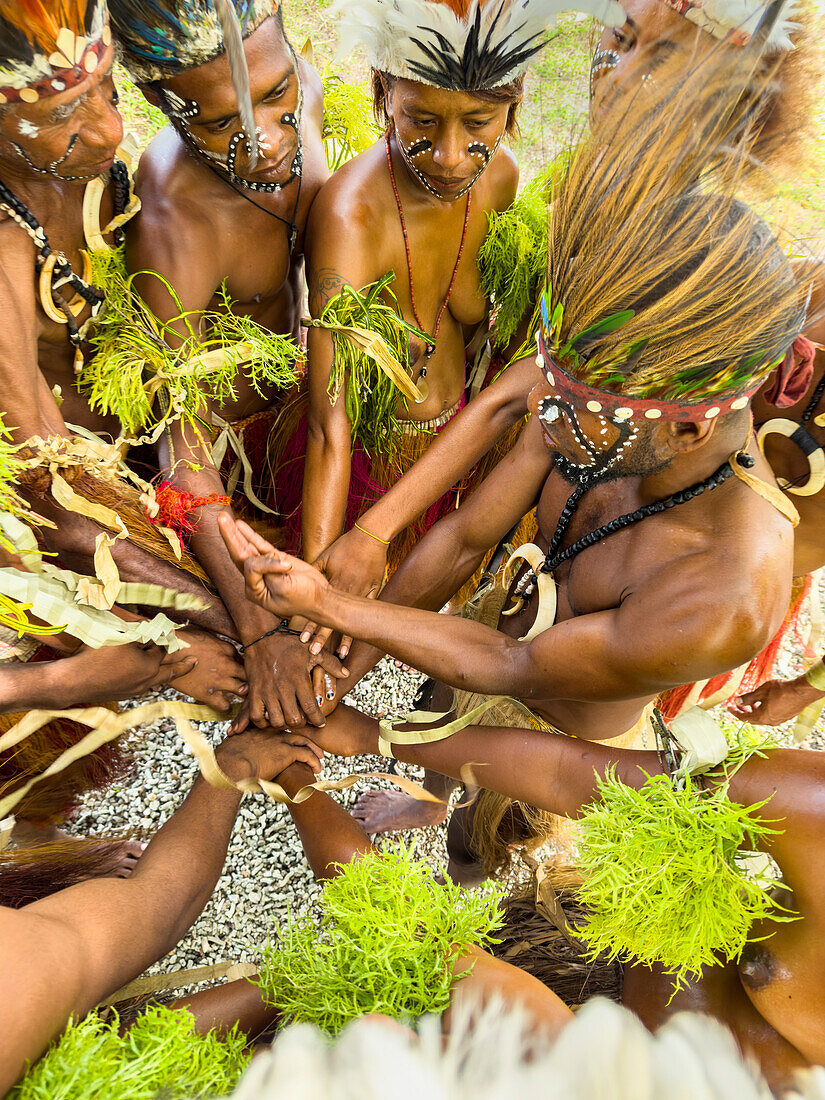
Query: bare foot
(391,811)
(112,858)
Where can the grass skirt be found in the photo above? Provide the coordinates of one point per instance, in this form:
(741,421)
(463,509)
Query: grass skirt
(534,938)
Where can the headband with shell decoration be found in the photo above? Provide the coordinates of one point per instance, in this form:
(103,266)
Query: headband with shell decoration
(49,46)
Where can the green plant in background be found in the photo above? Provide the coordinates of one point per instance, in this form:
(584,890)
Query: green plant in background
(137,112)
(10,470)
(349,127)
(148,372)
(159,1056)
(371,341)
(664,880)
(386,942)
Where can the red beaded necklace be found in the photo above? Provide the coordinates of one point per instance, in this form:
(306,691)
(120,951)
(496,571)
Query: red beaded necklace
(430,347)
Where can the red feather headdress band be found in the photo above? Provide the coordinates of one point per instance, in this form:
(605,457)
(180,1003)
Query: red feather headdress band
(619,406)
(49,46)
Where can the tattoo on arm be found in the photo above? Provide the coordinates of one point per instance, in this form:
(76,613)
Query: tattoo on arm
(328,282)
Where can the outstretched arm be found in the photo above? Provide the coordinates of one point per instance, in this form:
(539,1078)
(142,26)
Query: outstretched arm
(62,955)
(356,561)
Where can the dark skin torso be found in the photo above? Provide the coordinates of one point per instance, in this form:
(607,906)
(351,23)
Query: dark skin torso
(57,207)
(773,998)
(196,231)
(687,538)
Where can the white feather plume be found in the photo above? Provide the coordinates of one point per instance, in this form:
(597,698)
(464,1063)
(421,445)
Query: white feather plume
(402,36)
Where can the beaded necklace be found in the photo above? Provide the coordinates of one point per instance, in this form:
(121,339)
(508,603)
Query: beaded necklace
(53,268)
(430,348)
(554,557)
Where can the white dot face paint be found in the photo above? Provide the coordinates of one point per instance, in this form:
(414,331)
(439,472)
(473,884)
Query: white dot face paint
(27,128)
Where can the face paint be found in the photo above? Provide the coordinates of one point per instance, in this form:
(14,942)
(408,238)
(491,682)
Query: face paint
(27,129)
(418,148)
(603,61)
(601,462)
(181,111)
(52,168)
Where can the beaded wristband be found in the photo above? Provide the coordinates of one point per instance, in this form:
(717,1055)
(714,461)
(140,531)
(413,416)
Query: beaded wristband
(384,542)
(283,627)
(816,675)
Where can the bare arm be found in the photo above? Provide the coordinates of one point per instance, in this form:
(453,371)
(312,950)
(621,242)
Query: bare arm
(62,955)
(277,667)
(338,253)
(355,562)
(90,676)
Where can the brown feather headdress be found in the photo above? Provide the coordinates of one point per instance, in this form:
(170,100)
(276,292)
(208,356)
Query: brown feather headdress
(661,284)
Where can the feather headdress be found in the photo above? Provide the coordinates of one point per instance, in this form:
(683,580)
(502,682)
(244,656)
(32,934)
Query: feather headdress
(736,21)
(48,46)
(160,38)
(665,293)
(456,44)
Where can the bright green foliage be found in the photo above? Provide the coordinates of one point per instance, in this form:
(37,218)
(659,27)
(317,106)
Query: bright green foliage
(384,944)
(10,469)
(349,127)
(371,396)
(142,368)
(662,878)
(159,1056)
(512,260)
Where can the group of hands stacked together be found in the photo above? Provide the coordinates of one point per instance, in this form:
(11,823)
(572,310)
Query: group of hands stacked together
(284,681)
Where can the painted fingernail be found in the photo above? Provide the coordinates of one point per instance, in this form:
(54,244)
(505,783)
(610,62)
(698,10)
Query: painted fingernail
(330,695)
(318,700)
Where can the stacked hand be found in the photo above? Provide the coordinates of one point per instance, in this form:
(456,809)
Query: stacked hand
(355,563)
(775,702)
(297,685)
(261,754)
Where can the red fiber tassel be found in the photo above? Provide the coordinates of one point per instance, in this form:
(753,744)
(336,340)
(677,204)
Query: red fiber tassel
(175,506)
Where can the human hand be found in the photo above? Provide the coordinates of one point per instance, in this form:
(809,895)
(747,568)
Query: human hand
(355,563)
(97,676)
(217,675)
(281,688)
(775,702)
(263,754)
(347,732)
(279,583)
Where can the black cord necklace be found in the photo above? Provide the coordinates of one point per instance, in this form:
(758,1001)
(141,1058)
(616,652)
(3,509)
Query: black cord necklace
(554,557)
(291,224)
(62,273)
(816,397)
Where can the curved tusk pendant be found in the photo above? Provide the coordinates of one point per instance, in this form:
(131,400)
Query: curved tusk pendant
(77,303)
(514,610)
(546,612)
(809,447)
(92,199)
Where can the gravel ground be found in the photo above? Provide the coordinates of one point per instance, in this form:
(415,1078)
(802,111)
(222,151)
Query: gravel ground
(266,877)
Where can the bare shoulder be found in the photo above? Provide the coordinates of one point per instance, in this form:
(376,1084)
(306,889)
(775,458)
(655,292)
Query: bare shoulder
(716,579)
(349,212)
(313,91)
(501,180)
(177,196)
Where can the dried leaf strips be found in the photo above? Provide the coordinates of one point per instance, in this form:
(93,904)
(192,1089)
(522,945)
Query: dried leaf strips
(147,375)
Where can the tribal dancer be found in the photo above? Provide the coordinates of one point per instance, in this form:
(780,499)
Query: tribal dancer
(639,456)
(655,30)
(65,191)
(447,80)
(221,215)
